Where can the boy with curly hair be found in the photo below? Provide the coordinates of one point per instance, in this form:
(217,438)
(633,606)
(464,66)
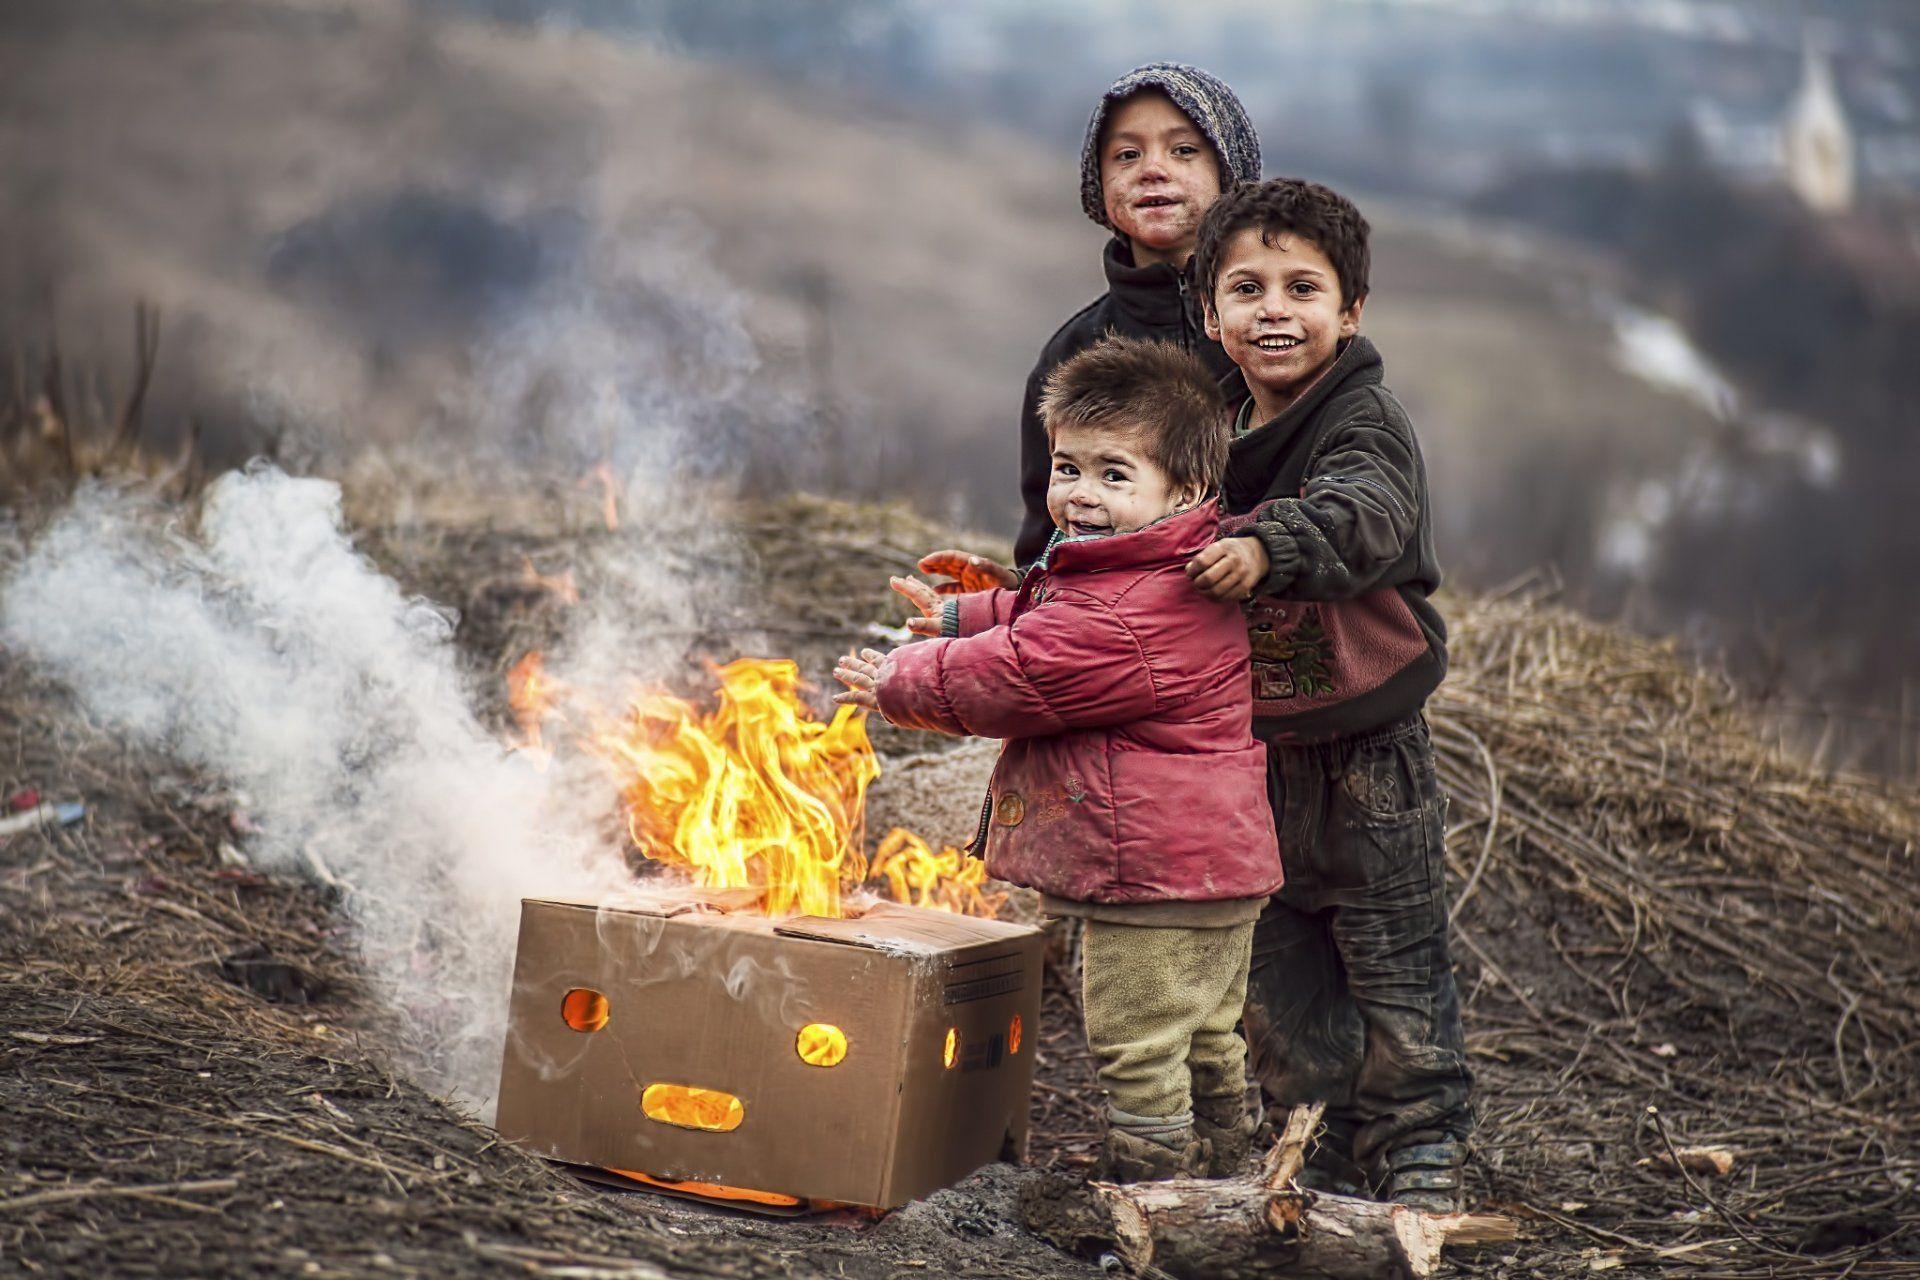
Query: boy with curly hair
(1328,542)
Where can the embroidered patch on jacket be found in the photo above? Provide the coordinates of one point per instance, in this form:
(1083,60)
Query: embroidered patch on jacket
(1291,657)
(1052,803)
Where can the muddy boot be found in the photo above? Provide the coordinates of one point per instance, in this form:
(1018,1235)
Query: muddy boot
(1424,1173)
(1330,1165)
(1152,1151)
(1229,1124)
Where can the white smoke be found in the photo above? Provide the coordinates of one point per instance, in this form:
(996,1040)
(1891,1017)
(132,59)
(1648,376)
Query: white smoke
(260,645)
(418,319)
(264,647)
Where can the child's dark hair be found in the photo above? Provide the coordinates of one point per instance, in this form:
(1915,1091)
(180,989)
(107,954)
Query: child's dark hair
(1287,206)
(1153,389)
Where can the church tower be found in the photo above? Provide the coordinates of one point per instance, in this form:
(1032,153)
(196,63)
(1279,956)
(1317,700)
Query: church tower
(1816,143)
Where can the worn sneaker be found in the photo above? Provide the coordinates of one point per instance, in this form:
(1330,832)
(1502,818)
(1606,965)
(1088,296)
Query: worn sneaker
(1425,1174)
(1129,1157)
(1230,1125)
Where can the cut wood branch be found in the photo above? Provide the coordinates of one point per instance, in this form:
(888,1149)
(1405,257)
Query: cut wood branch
(1254,1227)
(1289,1154)
(1240,1229)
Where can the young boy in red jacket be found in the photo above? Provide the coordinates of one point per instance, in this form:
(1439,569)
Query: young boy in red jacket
(1130,791)
(1330,545)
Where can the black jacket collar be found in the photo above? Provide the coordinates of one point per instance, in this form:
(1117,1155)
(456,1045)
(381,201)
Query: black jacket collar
(1153,294)
(1252,455)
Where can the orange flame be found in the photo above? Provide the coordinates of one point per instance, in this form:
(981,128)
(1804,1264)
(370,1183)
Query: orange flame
(753,794)
(531,695)
(947,881)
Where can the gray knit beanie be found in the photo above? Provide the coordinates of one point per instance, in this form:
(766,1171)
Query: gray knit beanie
(1208,103)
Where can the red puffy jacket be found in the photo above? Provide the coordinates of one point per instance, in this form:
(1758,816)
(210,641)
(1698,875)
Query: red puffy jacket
(1130,772)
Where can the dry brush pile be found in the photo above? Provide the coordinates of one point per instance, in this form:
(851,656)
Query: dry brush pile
(1692,966)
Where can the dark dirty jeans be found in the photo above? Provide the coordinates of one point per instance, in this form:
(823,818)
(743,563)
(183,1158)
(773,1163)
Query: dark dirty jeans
(1351,997)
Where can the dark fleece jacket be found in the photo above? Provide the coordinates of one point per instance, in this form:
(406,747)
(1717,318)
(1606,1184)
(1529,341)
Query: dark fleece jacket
(1156,301)
(1345,637)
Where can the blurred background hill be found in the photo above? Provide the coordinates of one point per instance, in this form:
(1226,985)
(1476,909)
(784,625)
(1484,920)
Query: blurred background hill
(1648,270)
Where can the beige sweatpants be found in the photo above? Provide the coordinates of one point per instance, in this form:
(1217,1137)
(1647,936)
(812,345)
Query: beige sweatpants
(1161,1007)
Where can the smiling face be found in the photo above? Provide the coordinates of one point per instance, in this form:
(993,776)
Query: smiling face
(1104,482)
(1158,175)
(1277,309)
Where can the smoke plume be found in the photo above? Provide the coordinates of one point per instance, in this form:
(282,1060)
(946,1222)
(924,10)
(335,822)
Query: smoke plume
(263,647)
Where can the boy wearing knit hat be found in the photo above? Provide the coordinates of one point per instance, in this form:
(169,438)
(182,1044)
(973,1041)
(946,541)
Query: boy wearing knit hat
(1164,141)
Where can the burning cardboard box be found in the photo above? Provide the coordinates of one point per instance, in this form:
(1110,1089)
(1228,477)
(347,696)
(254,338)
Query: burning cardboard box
(753,1039)
(717,1052)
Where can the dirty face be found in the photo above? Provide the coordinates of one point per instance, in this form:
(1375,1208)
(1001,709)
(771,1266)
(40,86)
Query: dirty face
(1277,309)
(1158,177)
(1104,482)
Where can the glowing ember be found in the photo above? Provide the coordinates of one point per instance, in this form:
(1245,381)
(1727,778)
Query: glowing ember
(691,1107)
(754,794)
(712,1190)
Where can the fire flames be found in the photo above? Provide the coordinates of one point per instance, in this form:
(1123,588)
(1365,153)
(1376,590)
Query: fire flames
(947,881)
(754,793)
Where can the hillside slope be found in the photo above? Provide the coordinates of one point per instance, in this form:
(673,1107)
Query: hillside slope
(368,221)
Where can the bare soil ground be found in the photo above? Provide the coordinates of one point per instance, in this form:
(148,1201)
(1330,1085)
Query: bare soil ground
(1668,936)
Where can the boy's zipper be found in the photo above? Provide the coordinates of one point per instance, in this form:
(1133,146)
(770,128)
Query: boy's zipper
(1371,483)
(978,849)
(1030,586)
(1186,327)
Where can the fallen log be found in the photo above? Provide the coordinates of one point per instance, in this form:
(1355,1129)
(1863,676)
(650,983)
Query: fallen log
(1243,1230)
(1255,1227)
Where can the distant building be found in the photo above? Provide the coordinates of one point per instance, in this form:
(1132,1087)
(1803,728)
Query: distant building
(1816,142)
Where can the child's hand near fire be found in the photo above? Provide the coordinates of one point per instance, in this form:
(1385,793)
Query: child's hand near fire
(969,572)
(859,672)
(922,597)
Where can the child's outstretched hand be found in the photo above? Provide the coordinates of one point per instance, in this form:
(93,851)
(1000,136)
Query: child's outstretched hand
(1229,569)
(922,597)
(859,672)
(969,572)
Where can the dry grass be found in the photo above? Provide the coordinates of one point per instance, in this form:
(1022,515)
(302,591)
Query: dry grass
(63,426)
